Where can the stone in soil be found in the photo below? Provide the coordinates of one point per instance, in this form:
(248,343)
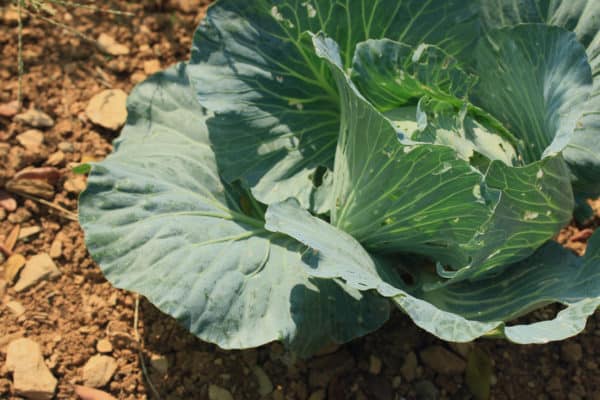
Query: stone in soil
(35,119)
(324,369)
(571,352)
(33,187)
(375,365)
(151,67)
(31,377)
(426,391)
(16,308)
(3,285)
(188,6)
(409,367)
(29,231)
(75,184)
(443,361)
(7,202)
(39,267)
(104,346)
(218,393)
(31,139)
(9,110)
(265,386)
(56,158)
(13,266)
(56,247)
(109,45)
(160,363)
(98,371)
(108,109)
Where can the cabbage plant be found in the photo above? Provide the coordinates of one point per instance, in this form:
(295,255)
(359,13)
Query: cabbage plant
(316,162)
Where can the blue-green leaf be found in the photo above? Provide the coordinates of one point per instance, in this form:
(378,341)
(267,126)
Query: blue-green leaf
(159,221)
(466,310)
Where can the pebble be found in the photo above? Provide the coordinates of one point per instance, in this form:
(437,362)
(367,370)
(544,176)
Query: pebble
(98,371)
(33,187)
(151,67)
(108,109)
(66,147)
(75,184)
(218,393)
(160,363)
(265,386)
(426,391)
(56,158)
(109,45)
(39,267)
(9,110)
(318,395)
(31,377)
(2,214)
(324,369)
(188,6)
(7,202)
(409,367)
(104,346)
(3,285)
(56,246)
(13,266)
(35,119)
(443,361)
(16,308)
(20,216)
(29,231)
(571,352)
(375,365)
(31,139)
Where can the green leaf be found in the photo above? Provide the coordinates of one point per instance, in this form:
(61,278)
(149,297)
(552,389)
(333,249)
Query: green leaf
(159,221)
(426,199)
(535,79)
(255,68)
(391,74)
(583,18)
(463,311)
(82,169)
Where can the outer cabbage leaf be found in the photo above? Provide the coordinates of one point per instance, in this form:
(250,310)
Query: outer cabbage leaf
(253,66)
(159,221)
(425,199)
(466,310)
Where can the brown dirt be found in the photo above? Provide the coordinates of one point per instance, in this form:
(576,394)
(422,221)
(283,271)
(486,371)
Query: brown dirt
(68,316)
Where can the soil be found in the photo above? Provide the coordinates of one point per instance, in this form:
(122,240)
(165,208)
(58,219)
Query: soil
(69,316)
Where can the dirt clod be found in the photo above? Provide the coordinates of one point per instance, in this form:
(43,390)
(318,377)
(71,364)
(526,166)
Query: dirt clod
(37,268)
(108,109)
(31,377)
(98,371)
(35,119)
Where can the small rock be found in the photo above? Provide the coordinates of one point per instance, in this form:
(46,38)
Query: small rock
(318,395)
(443,361)
(324,369)
(16,308)
(29,231)
(56,246)
(38,268)
(396,382)
(19,216)
(86,393)
(265,386)
(31,377)
(35,119)
(375,365)
(31,139)
(137,77)
(56,158)
(426,391)
(3,285)
(571,352)
(2,215)
(109,45)
(108,109)
(218,393)
(98,371)
(409,367)
(12,267)
(75,184)
(7,202)
(160,363)
(66,147)
(151,67)
(104,346)
(9,110)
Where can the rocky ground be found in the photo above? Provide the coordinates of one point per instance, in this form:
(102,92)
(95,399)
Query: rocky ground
(63,325)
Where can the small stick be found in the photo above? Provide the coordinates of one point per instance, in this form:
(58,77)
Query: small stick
(63,212)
